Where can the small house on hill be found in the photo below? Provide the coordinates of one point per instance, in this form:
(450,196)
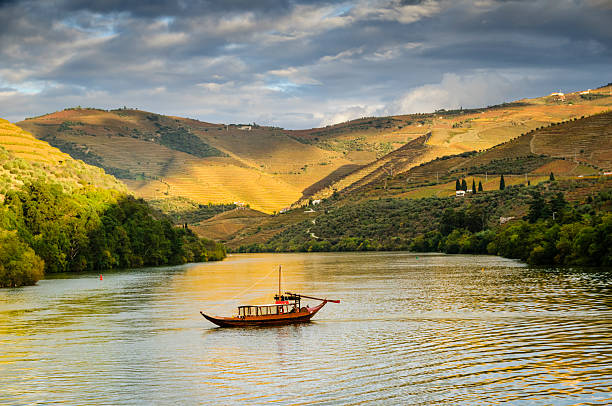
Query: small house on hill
(558,96)
(459,193)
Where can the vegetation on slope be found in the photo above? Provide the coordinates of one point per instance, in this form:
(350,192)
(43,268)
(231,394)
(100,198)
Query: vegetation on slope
(572,148)
(94,229)
(161,156)
(54,217)
(183,140)
(185,211)
(579,233)
(81,152)
(24,159)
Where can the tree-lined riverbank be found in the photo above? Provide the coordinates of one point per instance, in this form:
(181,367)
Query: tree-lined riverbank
(543,228)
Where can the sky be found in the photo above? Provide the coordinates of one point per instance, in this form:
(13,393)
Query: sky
(296,64)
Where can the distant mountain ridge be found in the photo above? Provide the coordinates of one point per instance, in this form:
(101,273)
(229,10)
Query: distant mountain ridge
(271,168)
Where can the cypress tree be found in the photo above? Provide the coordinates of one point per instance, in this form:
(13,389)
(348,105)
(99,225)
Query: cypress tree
(463,185)
(457,185)
(552,176)
(473,186)
(479,186)
(502,183)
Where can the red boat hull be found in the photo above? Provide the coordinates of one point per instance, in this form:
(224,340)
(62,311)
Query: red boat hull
(269,320)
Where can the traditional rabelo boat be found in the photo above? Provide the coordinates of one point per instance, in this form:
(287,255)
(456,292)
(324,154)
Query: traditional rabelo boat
(286,309)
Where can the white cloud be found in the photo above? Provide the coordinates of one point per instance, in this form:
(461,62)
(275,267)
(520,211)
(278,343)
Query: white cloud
(347,113)
(167,39)
(479,89)
(390,52)
(394,10)
(454,91)
(296,75)
(309,20)
(344,55)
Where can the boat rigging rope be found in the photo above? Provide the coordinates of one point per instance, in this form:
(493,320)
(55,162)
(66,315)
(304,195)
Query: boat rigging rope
(244,290)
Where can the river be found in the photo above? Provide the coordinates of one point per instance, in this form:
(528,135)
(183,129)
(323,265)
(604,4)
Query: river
(410,329)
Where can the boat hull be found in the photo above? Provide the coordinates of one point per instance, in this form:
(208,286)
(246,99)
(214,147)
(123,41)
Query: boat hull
(269,320)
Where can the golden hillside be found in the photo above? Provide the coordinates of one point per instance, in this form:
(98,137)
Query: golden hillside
(24,158)
(260,166)
(271,168)
(574,148)
(452,132)
(530,157)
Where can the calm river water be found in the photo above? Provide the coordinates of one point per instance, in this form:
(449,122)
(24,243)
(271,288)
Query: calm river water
(411,329)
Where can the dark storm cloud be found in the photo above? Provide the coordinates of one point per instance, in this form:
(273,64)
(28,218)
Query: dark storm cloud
(156,8)
(295,63)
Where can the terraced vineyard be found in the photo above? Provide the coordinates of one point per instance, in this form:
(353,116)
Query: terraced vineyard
(271,168)
(437,178)
(591,141)
(255,166)
(24,159)
(553,146)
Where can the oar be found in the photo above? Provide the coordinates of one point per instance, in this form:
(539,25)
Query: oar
(311,297)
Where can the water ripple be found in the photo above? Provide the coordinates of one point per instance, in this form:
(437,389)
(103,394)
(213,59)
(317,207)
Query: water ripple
(435,329)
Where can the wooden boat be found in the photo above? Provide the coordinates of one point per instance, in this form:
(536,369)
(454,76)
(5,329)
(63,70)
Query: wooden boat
(286,309)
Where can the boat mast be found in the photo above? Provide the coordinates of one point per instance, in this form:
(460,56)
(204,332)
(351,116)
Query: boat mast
(279,280)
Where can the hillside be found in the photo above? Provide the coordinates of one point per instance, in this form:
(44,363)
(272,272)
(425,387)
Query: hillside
(578,147)
(461,131)
(60,215)
(154,155)
(271,168)
(555,223)
(554,145)
(23,159)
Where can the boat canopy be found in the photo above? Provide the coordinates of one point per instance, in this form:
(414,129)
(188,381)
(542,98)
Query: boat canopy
(263,310)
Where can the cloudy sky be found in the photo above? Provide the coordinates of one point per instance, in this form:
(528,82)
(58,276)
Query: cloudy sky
(296,64)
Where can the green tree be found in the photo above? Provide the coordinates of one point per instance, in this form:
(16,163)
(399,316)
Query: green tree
(479,186)
(537,208)
(463,185)
(473,186)
(19,265)
(558,205)
(502,182)
(457,185)
(92,229)
(552,176)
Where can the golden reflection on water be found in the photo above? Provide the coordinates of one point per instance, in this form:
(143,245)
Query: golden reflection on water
(252,280)
(429,330)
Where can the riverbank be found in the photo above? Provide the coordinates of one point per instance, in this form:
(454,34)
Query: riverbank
(549,230)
